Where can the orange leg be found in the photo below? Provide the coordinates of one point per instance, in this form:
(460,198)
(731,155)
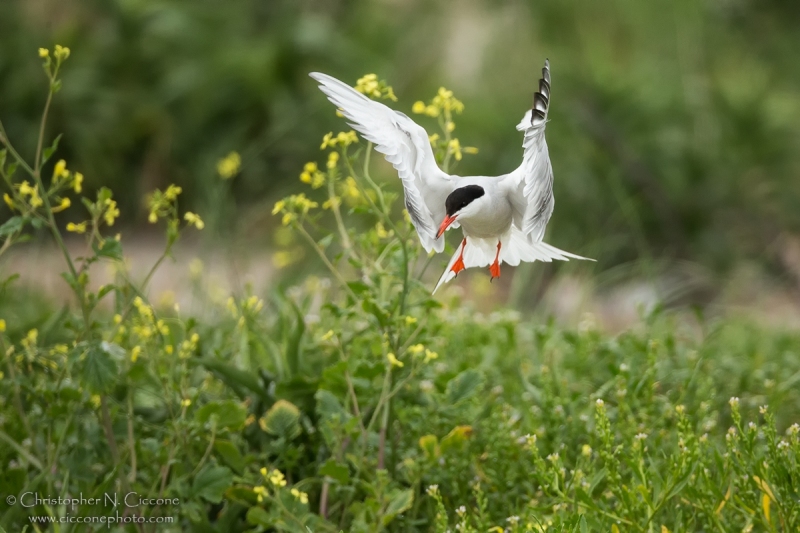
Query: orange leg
(458,266)
(495,268)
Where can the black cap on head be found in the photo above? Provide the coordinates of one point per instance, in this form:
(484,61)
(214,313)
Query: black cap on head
(462,197)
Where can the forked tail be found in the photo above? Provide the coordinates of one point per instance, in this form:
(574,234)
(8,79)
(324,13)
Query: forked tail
(514,248)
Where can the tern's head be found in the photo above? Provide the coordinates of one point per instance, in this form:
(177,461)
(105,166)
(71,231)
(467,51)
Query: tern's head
(458,202)
(461,198)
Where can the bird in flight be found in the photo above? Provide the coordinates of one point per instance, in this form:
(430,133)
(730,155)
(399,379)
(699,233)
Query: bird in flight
(502,218)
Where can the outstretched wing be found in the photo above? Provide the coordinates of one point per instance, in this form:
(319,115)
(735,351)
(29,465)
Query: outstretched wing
(530,186)
(405,145)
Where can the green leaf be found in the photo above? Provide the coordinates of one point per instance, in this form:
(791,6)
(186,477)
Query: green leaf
(228,414)
(463,386)
(12,225)
(400,501)
(230,454)
(237,379)
(3,154)
(11,169)
(110,248)
(211,482)
(328,406)
(50,149)
(282,420)
(259,517)
(99,369)
(336,471)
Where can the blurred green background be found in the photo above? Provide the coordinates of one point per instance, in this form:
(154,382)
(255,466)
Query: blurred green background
(674,133)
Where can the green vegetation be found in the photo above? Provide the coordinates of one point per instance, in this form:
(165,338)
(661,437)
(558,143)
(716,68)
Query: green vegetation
(359,403)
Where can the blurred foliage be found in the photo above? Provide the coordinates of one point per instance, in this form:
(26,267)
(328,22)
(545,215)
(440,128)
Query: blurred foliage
(675,126)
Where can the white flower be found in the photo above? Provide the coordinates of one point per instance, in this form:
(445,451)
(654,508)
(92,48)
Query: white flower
(640,436)
(600,402)
(734,401)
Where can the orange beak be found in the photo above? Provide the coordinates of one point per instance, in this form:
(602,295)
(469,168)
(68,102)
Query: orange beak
(445,224)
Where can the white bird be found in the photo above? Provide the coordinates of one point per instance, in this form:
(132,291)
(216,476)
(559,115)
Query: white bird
(503,218)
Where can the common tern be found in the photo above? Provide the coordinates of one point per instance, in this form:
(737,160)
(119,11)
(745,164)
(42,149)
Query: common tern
(503,218)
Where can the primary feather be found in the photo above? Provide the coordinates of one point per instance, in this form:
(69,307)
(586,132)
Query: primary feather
(405,145)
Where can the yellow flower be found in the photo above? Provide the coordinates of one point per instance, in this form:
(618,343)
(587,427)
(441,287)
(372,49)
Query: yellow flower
(229,166)
(394,361)
(381,231)
(95,399)
(416,349)
(9,202)
(305,177)
(260,492)
(152,217)
(279,206)
(333,160)
(144,309)
(77,182)
(470,150)
(30,338)
(432,111)
(186,402)
(277,479)
(455,148)
(450,125)
(60,170)
(410,320)
(351,189)
(172,192)
(36,200)
(346,138)
(111,212)
(25,188)
(288,218)
(76,228)
(194,220)
(310,167)
(328,336)
(44,52)
(2,325)
(61,52)
(328,140)
(263,471)
(418,107)
(299,495)
(282,259)
(331,202)
(135,353)
(430,356)
(64,204)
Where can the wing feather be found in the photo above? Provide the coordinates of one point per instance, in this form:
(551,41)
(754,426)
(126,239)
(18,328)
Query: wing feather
(405,145)
(530,186)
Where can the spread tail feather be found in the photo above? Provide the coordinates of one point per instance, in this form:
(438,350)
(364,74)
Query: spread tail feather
(514,249)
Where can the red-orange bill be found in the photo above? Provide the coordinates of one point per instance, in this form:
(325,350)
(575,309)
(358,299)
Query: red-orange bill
(445,224)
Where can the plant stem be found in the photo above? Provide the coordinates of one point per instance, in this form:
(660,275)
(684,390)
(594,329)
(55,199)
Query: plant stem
(131,440)
(21,450)
(325,259)
(207,453)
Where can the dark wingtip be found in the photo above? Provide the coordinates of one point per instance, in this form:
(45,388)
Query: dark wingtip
(541,99)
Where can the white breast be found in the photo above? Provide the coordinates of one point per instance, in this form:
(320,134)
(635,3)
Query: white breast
(489,215)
